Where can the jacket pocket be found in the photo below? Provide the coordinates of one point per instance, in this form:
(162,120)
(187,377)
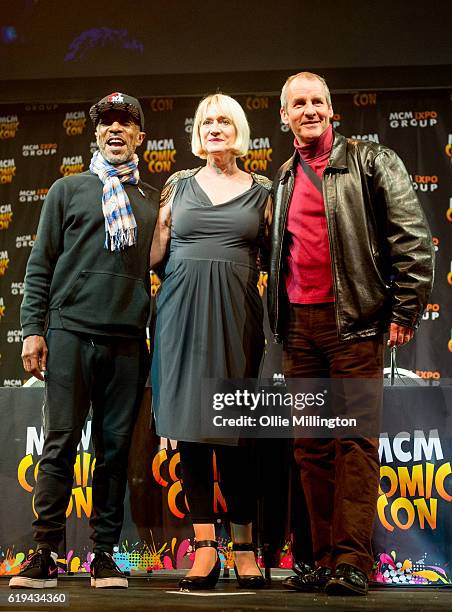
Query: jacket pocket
(105,300)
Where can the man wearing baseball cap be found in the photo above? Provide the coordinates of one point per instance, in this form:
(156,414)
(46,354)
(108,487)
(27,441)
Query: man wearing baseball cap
(83,319)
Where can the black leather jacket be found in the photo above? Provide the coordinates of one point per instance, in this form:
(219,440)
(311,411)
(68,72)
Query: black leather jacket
(380,243)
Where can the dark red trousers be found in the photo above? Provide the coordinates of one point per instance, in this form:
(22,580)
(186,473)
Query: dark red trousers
(340,476)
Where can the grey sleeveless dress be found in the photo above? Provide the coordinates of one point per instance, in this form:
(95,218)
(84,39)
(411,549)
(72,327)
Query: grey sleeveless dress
(209,312)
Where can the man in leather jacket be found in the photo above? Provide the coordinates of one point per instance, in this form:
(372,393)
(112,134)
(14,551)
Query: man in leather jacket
(351,258)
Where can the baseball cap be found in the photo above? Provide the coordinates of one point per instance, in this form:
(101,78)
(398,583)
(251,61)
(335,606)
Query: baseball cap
(118,101)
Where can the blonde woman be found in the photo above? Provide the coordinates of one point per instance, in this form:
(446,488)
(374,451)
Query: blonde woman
(212,224)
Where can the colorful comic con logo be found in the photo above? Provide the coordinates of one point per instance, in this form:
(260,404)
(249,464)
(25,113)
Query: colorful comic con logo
(367,137)
(403,119)
(7,170)
(160,155)
(164,470)
(449,211)
(449,274)
(33,195)
(71,165)
(364,99)
(159,105)
(435,241)
(38,150)
(259,155)
(74,123)
(4,262)
(409,494)
(425,182)
(9,125)
(6,216)
(2,308)
(27,471)
(256,103)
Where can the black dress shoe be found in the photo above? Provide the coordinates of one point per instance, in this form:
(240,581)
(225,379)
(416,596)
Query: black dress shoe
(253,581)
(301,568)
(312,582)
(347,580)
(200,583)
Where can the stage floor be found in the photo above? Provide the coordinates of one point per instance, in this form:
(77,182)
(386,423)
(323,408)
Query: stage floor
(159,591)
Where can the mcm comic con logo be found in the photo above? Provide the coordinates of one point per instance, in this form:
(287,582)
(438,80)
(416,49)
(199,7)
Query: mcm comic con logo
(71,165)
(4,262)
(259,155)
(160,155)
(164,471)
(80,501)
(409,495)
(74,123)
(7,170)
(6,216)
(9,124)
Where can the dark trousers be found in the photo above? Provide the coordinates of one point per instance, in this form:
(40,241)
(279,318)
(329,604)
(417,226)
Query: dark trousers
(108,375)
(339,476)
(236,466)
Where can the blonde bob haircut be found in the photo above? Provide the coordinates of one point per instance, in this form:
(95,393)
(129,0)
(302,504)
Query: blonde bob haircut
(226,107)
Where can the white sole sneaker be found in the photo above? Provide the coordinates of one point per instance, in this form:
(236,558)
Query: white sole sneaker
(110,583)
(20,582)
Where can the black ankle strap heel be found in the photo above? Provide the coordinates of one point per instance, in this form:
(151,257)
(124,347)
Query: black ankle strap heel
(199,583)
(247,581)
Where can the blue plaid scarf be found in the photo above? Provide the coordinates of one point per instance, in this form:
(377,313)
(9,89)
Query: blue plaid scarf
(120,224)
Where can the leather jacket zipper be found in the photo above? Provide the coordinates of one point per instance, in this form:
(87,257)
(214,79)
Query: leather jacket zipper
(330,245)
(278,268)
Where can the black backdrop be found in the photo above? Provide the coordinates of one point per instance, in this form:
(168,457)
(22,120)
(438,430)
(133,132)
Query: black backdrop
(42,142)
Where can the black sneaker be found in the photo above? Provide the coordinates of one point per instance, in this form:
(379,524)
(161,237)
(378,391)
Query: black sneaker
(105,573)
(38,571)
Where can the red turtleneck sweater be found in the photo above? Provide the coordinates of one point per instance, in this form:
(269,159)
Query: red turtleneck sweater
(308,273)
